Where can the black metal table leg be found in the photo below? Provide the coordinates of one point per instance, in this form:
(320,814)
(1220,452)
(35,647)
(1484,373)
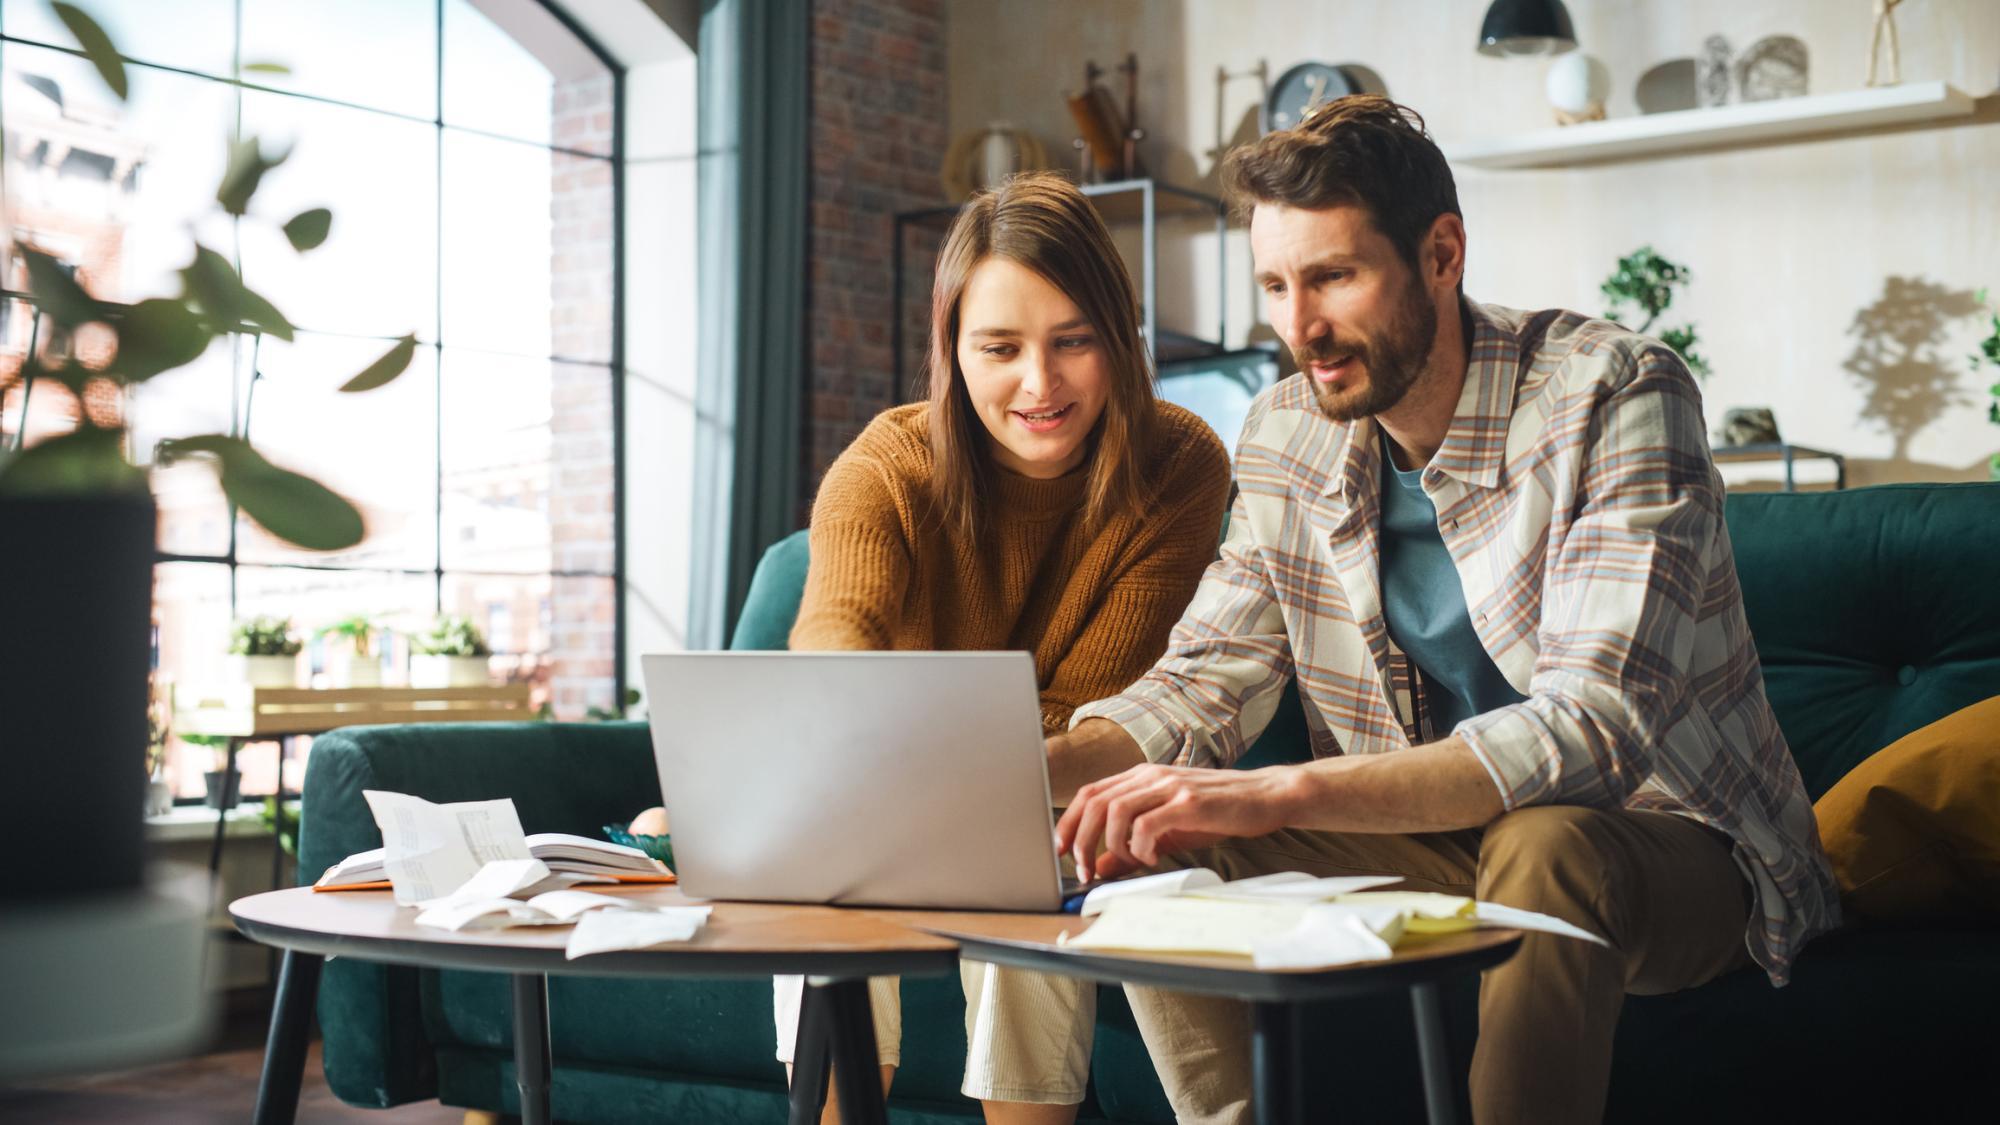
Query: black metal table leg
(809,1059)
(531,1046)
(850,1024)
(1274,1063)
(1434,1054)
(285,1047)
(229,787)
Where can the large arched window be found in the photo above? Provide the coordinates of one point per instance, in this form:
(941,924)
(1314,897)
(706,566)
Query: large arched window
(468,150)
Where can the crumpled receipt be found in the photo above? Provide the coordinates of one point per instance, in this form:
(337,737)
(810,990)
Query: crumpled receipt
(608,931)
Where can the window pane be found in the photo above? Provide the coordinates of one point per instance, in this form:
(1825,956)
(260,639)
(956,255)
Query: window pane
(377,448)
(376,274)
(194,516)
(110,188)
(190,34)
(400,605)
(511,68)
(496,462)
(191,611)
(497,257)
(377,53)
(556,633)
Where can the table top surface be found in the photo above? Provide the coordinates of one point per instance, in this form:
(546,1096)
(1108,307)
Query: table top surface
(1034,941)
(741,939)
(756,938)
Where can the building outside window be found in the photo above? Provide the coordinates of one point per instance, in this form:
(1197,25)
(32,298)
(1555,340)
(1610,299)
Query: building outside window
(466,149)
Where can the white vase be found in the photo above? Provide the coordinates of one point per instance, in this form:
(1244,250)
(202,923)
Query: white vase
(159,798)
(346,669)
(265,671)
(427,671)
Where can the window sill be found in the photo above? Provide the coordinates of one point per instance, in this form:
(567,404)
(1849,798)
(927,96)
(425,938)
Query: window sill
(197,822)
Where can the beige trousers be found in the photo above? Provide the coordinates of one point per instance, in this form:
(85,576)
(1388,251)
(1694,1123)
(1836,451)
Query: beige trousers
(1662,889)
(1027,1034)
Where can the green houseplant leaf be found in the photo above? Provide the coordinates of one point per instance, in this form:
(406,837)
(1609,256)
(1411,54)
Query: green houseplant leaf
(96,46)
(292,507)
(211,283)
(384,370)
(264,315)
(308,229)
(157,335)
(57,292)
(88,461)
(247,165)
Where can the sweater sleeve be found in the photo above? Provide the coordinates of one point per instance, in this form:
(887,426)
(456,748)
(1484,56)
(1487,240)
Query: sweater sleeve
(1129,629)
(860,567)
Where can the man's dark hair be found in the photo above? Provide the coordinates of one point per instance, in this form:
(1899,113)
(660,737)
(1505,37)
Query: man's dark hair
(1362,150)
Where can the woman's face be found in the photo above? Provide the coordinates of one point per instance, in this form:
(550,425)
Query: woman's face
(1036,370)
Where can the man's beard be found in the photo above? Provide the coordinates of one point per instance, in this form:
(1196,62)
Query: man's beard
(1393,362)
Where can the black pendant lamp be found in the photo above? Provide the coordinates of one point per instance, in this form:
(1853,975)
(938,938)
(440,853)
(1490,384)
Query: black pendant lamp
(1519,28)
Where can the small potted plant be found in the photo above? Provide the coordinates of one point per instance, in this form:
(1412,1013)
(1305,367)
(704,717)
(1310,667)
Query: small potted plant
(216,797)
(353,661)
(1644,282)
(263,652)
(159,728)
(451,654)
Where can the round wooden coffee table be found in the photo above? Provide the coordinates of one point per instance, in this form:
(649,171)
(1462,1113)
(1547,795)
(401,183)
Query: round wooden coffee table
(1033,941)
(843,947)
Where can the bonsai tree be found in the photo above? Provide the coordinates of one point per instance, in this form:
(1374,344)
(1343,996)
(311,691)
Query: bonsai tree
(1988,355)
(451,635)
(163,333)
(264,636)
(1644,282)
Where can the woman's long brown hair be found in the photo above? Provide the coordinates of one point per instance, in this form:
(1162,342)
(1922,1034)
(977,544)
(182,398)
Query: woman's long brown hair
(1041,221)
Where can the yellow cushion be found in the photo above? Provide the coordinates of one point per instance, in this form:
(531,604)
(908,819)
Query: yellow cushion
(1914,831)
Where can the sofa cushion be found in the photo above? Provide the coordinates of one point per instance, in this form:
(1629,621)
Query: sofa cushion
(1914,832)
(1871,610)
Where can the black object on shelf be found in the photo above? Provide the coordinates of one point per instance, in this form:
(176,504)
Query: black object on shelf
(1121,202)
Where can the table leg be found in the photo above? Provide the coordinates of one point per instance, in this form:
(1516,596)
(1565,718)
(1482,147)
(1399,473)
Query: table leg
(285,1047)
(1439,1103)
(809,1059)
(229,787)
(1274,1063)
(531,1046)
(850,1029)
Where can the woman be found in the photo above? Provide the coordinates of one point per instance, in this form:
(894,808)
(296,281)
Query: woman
(1041,499)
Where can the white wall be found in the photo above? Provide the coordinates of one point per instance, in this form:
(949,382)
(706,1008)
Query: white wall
(1787,242)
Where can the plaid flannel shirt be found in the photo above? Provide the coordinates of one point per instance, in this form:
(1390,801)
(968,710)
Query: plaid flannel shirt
(1576,496)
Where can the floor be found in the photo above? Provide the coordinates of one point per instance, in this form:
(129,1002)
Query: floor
(218,1088)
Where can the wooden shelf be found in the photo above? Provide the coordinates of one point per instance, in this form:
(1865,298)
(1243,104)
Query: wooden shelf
(1686,130)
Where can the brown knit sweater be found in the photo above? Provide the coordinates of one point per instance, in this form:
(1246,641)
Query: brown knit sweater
(1095,610)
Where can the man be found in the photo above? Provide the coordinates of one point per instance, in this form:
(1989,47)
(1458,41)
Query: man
(1489,546)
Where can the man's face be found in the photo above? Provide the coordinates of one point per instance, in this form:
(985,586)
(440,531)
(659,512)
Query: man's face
(1358,320)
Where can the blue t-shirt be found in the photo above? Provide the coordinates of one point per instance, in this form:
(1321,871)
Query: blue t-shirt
(1424,606)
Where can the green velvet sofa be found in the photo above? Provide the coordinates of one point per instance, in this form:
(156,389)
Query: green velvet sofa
(1875,612)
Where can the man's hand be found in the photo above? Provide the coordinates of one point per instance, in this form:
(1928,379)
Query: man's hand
(1150,810)
(1095,750)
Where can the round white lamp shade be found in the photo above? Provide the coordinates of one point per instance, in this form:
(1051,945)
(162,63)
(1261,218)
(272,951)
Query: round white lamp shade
(1578,84)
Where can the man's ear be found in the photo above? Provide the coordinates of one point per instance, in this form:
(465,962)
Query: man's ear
(1444,251)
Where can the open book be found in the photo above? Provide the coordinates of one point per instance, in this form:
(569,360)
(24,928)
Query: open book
(431,850)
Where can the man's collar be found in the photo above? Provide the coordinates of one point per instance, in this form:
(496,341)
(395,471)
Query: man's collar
(1475,446)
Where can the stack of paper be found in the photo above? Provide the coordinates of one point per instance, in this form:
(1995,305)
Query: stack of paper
(1286,921)
(467,866)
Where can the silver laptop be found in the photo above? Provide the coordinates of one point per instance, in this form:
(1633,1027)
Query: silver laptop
(881,778)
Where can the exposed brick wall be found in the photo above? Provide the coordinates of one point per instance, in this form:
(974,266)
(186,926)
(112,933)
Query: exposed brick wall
(878,136)
(582,611)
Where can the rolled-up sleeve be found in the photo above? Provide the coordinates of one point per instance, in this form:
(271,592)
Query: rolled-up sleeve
(1219,682)
(1622,594)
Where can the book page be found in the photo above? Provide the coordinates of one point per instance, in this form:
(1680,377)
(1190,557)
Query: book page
(430,850)
(1187,925)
